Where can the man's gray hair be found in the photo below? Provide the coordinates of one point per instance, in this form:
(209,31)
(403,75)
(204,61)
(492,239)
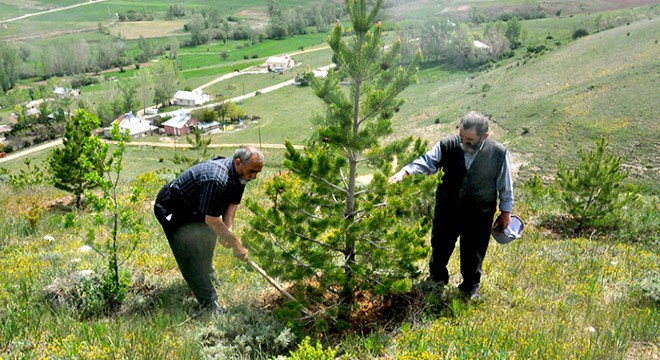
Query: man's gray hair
(245,152)
(477,121)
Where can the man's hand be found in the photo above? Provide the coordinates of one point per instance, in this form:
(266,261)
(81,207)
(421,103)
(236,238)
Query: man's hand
(397,177)
(224,242)
(502,221)
(240,252)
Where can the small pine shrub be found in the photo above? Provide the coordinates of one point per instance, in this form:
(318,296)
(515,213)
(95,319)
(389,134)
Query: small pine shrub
(30,176)
(594,193)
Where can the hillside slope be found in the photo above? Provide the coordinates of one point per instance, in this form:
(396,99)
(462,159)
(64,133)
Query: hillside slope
(602,85)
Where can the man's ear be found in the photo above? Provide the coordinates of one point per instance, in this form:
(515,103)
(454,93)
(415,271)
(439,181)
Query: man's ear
(486,135)
(237,161)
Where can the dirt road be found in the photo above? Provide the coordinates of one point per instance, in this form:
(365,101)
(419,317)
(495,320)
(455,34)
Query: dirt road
(48,145)
(90,2)
(31,150)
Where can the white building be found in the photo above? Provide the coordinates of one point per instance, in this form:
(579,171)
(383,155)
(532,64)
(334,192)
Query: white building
(135,126)
(279,63)
(190,98)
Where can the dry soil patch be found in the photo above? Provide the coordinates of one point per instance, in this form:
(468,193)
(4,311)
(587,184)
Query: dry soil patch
(147,29)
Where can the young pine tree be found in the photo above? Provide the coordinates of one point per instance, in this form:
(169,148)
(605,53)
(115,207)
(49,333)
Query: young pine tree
(77,166)
(321,222)
(595,193)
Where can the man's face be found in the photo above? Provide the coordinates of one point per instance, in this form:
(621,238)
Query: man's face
(247,171)
(470,141)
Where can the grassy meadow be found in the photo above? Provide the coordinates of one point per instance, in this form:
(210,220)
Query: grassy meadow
(549,295)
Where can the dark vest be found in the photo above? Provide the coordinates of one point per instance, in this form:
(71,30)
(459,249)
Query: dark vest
(476,188)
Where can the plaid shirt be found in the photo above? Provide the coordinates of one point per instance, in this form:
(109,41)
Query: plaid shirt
(207,189)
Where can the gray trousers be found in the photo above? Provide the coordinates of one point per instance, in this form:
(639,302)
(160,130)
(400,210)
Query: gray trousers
(193,245)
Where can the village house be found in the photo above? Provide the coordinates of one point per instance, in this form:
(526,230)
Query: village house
(32,107)
(3,130)
(61,92)
(180,124)
(279,63)
(190,98)
(208,126)
(135,126)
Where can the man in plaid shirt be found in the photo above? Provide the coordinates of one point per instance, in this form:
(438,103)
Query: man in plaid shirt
(197,208)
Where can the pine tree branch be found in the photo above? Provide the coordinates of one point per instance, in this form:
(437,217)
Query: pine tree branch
(302,264)
(329,183)
(393,93)
(307,238)
(343,178)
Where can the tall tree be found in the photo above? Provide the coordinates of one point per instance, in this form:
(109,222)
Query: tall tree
(318,220)
(165,79)
(514,32)
(145,84)
(8,67)
(129,97)
(79,164)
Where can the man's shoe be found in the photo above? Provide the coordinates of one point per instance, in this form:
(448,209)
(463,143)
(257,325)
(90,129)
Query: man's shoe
(472,295)
(212,309)
(429,284)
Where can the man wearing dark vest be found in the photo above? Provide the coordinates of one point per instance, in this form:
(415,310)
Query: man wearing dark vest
(197,208)
(476,173)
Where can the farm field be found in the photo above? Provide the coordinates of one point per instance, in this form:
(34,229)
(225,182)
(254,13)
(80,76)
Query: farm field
(551,294)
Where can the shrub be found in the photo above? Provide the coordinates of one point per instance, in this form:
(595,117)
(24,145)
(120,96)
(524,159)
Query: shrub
(594,193)
(536,49)
(581,32)
(245,332)
(650,288)
(30,176)
(307,351)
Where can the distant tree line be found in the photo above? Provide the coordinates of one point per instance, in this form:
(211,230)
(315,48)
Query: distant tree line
(452,43)
(297,20)
(133,15)
(208,24)
(68,58)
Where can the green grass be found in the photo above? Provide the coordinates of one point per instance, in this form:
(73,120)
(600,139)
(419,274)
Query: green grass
(549,106)
(543,297)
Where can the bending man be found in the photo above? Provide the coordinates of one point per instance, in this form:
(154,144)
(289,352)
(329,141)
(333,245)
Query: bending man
(199,206)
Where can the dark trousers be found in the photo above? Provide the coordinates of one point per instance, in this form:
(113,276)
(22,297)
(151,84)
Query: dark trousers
(192,243)
(473,227)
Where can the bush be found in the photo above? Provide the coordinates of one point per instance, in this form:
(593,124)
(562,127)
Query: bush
(83,80)
(307,351)
(650,288)
(536,49)
(30,176)
(581,32)
(594,193)
(245,332)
